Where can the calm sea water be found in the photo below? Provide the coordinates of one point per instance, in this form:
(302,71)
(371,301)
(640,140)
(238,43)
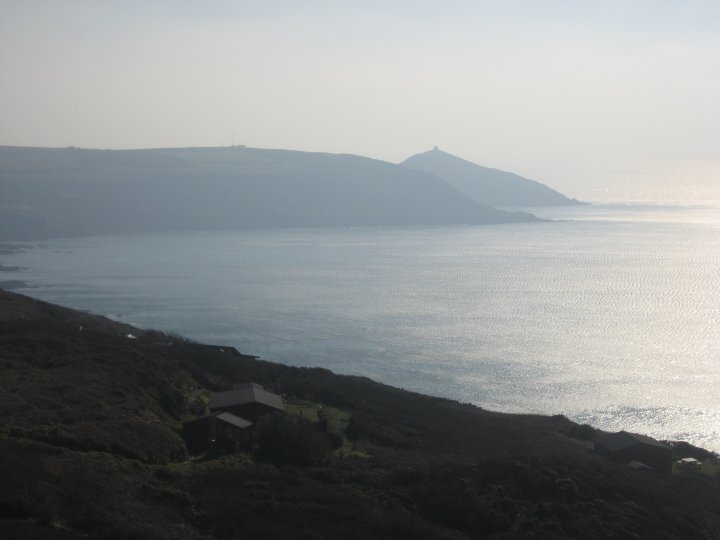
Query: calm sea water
(611,317)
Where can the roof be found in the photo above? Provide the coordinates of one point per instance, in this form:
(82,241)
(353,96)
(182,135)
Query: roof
(248,385)
(233,420)
(638,466)
(245,393)
(624,439)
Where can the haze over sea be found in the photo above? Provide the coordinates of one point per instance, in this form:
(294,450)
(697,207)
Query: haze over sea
(610,316)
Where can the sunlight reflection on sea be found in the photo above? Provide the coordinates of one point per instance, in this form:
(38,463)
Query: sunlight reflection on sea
(609,316)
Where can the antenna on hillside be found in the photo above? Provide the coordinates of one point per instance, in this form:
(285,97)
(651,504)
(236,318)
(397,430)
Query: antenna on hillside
(233,144)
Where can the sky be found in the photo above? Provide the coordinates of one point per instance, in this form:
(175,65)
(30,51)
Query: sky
(598,98)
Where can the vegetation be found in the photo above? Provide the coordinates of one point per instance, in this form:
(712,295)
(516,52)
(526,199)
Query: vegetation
(90,446)
(290,439)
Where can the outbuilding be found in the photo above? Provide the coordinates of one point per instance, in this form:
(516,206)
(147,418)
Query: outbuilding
(689,463)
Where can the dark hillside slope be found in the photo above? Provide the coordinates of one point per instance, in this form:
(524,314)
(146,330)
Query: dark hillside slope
(49,192)
(484,185)
(90,447)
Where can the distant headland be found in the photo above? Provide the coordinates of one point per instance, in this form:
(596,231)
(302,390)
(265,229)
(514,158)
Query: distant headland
(54,192)
(485,185)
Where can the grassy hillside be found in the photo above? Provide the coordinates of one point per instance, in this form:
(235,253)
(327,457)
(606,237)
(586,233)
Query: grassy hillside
(484,185)
(90,447)
(49,192)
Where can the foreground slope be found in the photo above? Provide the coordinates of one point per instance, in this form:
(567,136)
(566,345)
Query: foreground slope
(90,447)
(484,185)
(71,192)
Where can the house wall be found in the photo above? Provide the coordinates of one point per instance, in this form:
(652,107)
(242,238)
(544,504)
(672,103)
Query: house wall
(199,434)
(209,432)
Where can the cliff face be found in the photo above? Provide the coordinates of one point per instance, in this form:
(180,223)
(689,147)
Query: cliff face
(484,185)
(90,446)
(49,192)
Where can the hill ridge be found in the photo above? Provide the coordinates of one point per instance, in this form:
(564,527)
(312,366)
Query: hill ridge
(486,185)
(76,192)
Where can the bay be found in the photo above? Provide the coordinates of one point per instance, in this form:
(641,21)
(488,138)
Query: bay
(609,315)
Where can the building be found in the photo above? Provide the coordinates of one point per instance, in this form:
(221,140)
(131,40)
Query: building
(689,463)
(249,401)
(233,414)
(625,447)
(217,430)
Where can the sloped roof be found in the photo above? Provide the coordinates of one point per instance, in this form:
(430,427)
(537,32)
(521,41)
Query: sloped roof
(248,385)
(638,466)
(245,393)
(233,420)
(625,439)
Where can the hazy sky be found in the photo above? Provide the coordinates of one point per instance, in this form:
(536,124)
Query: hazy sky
(563,91)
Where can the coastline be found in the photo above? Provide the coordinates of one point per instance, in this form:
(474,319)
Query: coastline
(402,463)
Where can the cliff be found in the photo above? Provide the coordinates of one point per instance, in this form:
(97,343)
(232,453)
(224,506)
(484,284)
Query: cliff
(91,447)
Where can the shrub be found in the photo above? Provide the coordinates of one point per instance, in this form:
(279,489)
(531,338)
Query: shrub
(290,439)
(582,432)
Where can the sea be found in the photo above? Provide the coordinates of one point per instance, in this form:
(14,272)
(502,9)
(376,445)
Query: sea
(608,314)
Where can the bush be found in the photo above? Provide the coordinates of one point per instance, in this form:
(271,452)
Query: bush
(583,432)
(290,439)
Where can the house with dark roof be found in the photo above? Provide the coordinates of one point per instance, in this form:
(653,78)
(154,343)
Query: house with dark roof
(215,431)
(249,400)
(233,414)
(625,447)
